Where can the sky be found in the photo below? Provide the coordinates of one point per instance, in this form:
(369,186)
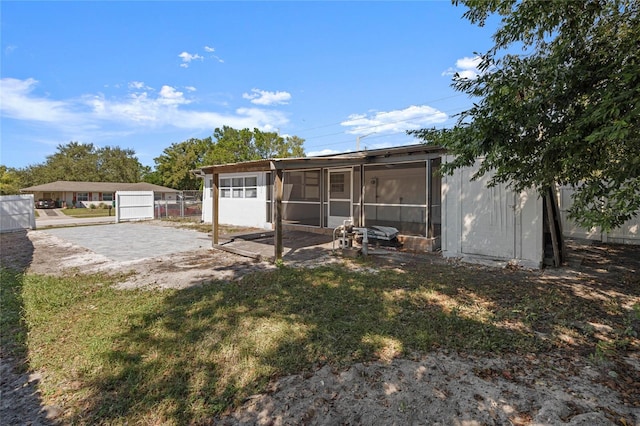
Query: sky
(143,75)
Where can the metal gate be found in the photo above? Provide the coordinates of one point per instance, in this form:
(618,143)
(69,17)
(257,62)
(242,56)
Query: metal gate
(186,204)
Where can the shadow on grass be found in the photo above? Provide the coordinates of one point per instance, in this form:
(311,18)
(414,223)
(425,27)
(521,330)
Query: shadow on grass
(21,404)
(208,348)
(16,254)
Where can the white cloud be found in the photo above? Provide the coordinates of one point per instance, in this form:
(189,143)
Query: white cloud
(188,57)
(16,101)
(190,89)
(263,97)
(137,85)
(210,49)
(170,96)
(410,118)
(141,109)
(465,68)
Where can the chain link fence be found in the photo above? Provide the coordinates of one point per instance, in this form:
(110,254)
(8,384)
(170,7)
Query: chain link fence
(186,204)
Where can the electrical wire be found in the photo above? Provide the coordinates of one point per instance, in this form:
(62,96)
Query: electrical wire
(382,114)
(385,135)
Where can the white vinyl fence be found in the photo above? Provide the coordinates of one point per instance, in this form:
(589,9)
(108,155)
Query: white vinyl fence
(134,205)
(17,212)
(628,233)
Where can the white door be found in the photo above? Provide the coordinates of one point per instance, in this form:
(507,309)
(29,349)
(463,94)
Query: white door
(340,197)
(488,221)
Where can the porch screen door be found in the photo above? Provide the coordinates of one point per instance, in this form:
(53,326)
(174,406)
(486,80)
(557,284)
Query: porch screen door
(340,197)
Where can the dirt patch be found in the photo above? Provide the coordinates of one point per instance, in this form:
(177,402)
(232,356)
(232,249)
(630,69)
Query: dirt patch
(439,388)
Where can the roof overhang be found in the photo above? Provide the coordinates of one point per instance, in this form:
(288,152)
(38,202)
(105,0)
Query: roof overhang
(377,156)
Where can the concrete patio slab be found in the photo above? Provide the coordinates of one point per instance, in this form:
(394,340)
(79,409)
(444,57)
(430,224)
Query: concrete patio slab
(133,241)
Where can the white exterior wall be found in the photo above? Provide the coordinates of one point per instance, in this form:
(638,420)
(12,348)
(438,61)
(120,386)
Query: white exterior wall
(17,212)
(628,233)
(250,212)
(134,205)
(490,225)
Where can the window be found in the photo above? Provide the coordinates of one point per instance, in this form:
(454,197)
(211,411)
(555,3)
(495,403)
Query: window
(82,196)
(107,196)
(337,183)
(239,187)
(302,185)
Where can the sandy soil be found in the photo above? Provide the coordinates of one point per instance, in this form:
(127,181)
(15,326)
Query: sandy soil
(441,388)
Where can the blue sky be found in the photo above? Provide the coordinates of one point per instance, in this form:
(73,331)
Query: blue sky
(144,75)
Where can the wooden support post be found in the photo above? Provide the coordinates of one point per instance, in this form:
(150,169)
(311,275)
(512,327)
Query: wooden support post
(215,200)
(362,186)
(554,228)
(278,189)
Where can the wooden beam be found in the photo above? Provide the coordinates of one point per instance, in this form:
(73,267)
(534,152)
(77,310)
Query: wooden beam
(215,202)
(278,191)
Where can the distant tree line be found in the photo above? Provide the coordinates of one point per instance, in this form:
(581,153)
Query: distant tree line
(77,161)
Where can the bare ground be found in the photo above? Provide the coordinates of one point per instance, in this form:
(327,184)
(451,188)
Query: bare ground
(439,388)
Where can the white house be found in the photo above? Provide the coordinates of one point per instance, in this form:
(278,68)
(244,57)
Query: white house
(399,187)
(243,199)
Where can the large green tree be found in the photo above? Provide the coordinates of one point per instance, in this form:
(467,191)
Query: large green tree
(84,162)
(234,146)
(557,101)
(174,165)
(228,145)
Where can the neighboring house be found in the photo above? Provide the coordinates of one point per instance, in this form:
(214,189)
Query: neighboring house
(84,194)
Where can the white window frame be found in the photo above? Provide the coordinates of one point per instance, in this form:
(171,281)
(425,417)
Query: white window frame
(239,187)
(82,196)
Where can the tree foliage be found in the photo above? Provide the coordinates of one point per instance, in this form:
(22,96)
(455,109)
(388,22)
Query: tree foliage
(228,145)
(565,110)
(84,162)
(9,181)
(174,165)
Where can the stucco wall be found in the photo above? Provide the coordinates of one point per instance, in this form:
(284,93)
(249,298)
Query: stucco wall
(250,212)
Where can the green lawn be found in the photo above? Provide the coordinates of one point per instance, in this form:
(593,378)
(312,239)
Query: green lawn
(184,356)
(88,212)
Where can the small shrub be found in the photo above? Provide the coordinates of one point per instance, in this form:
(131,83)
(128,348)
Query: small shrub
(103,206)
(92,206)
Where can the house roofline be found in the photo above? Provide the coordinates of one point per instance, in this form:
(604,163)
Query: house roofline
(332,160)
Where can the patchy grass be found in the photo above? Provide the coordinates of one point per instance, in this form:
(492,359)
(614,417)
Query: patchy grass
(197,225)
(185,356)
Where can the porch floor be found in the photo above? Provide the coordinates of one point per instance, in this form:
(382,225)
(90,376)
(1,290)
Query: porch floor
(298,245)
